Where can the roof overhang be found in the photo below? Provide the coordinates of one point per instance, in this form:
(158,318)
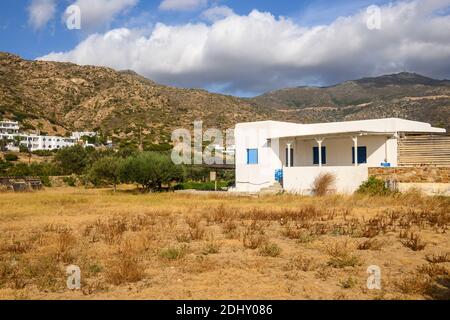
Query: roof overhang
(336,135)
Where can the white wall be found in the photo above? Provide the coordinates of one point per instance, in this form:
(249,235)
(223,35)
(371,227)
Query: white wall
(300,180)
(339,150)
(252,178)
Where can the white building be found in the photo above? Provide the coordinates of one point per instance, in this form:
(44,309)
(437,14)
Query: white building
(10,130)
(268,152)
(9,127)
(79,135)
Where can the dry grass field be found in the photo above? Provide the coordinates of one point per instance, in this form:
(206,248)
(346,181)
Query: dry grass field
(185,246)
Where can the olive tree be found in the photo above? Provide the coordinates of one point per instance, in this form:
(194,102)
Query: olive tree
(151,170)
(106,170)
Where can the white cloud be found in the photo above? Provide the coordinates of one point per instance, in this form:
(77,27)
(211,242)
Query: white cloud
(99,13)
(260,52)
(40,12)
(216,13)
(182,5)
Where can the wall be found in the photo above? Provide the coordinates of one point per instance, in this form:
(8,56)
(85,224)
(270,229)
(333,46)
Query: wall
(253,178)
(348,179)
(339,150)
(413,174)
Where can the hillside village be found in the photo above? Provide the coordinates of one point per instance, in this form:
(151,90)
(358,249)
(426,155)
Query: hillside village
(13,139)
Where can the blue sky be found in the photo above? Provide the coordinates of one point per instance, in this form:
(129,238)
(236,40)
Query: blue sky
(17,36)
(305,28)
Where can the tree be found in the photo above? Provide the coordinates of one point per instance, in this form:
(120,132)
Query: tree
(106,170)
(151,170)
(71,160)
(4,144)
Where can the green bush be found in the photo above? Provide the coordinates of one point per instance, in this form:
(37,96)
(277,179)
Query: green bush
(43,153)
(11,157)
(106,170)
(70,181)
(45,181)
(23,148)
(72,160)
(20,170)
(374,187)
(201,186)
(270,250)
(150,170)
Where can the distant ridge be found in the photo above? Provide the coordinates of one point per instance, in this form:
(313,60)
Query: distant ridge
(54,98)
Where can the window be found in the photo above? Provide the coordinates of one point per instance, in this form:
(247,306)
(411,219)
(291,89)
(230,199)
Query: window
(252,156)
(362,155)
(292,158)
(316,155)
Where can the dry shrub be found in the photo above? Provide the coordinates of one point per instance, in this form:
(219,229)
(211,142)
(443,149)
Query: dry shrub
(438,258)
(183,236)
(371,244)
(323,272)
(300,215)
(112,229)
(254,236)
(212,247)
(200,264)
(296,233)
(302,263)
(219,215)
(230,228)
(323,183)
(44,272)
(348,283)
(125,267)
(341,255)
(270,250)
(64,242)
(109,231)
(430,280)
(196,228)
(433,270)
(171,253)
(413,241)
(17,246)
(414,284)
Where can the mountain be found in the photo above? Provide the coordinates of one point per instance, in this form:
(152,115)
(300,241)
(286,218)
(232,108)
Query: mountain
(403,95)
(56,98)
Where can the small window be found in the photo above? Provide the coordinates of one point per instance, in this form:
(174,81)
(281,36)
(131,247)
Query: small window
(362,155)
(316,155)
(252,156)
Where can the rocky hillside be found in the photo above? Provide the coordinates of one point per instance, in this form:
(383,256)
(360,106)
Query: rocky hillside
(59,97)
(404,95)
(56,98)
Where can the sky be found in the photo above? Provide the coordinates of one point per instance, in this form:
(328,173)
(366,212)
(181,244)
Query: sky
(235,47)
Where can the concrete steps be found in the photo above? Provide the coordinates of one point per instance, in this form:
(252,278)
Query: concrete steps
(276,188)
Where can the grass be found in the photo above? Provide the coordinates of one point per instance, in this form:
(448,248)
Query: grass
(186,246)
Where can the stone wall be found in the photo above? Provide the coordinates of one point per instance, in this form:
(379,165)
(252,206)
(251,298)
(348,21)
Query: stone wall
(413,174)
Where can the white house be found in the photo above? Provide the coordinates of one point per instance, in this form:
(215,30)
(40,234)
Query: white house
(293,154)
(10,130)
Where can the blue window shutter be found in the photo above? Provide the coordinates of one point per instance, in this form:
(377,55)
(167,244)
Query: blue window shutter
(252,156)
(316,155)
(286,157)
(362,155)
(324,155)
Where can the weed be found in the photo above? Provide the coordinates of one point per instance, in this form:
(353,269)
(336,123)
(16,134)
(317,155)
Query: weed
(414,242)
(270,250)
(348,283)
